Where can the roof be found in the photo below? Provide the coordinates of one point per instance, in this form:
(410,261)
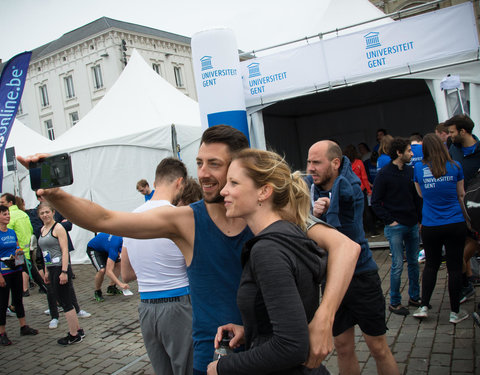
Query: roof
(96,27)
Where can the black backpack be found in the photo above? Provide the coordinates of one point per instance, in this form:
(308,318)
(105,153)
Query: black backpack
(472,202)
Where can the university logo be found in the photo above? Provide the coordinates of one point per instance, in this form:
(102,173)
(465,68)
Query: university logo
(372,40)
(206,62)
(253,70)
(427,172)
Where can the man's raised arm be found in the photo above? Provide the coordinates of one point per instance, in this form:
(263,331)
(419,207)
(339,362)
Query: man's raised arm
(342,258)
(156,223)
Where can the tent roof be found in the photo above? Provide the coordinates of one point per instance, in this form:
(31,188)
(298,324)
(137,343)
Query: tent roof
(138,104)
(27,141)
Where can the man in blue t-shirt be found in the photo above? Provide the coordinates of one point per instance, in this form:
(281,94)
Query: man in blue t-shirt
(416,145)
(104,252)
(144,188)
(465,149)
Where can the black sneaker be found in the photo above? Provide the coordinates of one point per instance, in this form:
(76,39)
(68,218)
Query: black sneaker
(4,340)
(98,296)
(412,302)
(26,293)
(69,340)
(28,331)
(399,309)
(113,290)
(81,332)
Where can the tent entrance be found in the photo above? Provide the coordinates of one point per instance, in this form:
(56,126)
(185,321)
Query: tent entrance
(348,115)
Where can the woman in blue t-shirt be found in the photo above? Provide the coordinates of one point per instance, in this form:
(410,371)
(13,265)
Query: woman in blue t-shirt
(383,150)
(439,181)
(10,279)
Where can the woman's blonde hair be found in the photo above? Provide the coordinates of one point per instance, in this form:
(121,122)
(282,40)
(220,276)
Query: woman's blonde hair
(385,144)
(291,197)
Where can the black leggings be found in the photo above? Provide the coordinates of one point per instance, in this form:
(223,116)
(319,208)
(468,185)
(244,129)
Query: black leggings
(14,283)
(453,237)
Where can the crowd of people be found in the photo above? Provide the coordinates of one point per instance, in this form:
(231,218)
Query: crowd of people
(257,237)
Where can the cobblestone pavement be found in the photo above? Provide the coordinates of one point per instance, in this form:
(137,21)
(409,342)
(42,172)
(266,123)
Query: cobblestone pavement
(113,343)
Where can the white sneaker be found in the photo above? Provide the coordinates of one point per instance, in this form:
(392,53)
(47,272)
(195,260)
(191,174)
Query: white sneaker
(47,312)
(10,313)
(53,324)
(83,314)
(421,312)
(458,317)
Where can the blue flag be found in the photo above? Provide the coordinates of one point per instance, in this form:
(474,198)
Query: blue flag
(12,81)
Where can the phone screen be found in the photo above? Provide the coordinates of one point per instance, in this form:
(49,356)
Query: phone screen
(51,172)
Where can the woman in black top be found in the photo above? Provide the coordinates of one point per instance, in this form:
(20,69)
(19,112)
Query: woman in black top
(282,269)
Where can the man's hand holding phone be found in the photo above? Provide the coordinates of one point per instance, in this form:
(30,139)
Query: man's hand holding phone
(47,172)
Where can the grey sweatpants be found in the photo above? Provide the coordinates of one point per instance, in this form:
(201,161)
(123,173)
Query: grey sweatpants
(167,334)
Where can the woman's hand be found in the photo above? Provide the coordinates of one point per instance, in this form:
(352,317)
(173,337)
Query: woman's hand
(63,278)
(212,368)
(238,335)
(3,284)
(124,285)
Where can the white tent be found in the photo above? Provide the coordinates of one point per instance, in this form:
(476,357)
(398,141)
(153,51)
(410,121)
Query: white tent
(123,138)
(26,142)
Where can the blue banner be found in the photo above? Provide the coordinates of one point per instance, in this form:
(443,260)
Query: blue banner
(12,81)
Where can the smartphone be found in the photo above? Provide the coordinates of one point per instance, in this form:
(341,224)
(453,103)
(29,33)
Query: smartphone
(50,172)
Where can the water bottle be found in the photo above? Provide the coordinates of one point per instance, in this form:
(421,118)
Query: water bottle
(223,347)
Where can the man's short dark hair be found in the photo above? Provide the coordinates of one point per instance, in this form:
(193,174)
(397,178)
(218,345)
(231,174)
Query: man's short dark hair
(142,183)
(384,131)
(9,198)
(169,169)
(398,144)
(233,138)
(3,208)
(461,122)
(416,137)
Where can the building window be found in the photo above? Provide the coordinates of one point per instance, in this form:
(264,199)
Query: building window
(97,77)
(49,129)
(156,68)
(74,118)
(69,90)
(43,96)
(178,76)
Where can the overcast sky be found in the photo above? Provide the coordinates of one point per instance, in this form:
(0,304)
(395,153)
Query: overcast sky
(27,24)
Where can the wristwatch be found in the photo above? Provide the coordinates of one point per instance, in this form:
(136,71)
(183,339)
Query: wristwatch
(64,271)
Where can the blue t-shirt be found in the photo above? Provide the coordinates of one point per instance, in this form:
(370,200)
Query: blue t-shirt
(149,196)
(8,246)
(382,161)
(417,154)
(440,201)
(371,170)
(469,150)
(107,243)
